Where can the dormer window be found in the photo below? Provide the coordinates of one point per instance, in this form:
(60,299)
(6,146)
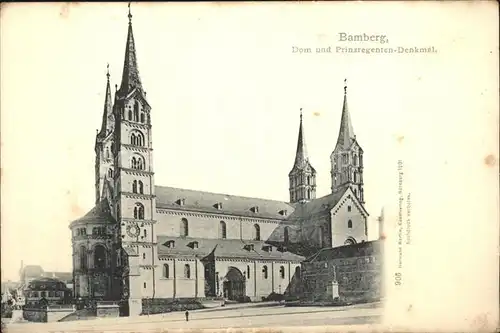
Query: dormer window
(283,212)
(181,202)
(193,245)
(255,209)
(218,205)
(267,248)
(249,247)
(170,244)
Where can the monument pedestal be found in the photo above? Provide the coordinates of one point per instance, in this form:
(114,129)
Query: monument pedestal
(333,290)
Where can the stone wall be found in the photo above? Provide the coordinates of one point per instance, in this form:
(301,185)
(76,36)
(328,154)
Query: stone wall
(208,225)
(163,305)
(354,278)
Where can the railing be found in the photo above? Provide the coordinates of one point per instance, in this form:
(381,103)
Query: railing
(108,303)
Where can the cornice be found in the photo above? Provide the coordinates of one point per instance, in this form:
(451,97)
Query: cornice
(220,216)
(136,148)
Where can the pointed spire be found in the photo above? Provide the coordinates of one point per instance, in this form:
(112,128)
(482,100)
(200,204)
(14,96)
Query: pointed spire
(301,157)
(130,78)
(108,107)
(346,133)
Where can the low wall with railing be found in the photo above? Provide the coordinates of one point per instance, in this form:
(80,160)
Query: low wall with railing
(47,314)
(107,309)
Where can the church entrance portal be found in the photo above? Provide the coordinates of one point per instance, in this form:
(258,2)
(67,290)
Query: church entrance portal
(234,284)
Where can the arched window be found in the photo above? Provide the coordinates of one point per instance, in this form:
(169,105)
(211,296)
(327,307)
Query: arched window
(349,224)
(107,152)
(166,271)
(130,115)
(141,187)
(256,232)
(222,230)
(282,272)
(321,236)
(187,271)
(136,111)
(145,233)
(264,272)
(137,139)
(248,272)
(113,147)
(184,228)
(110,173)
(137,162)
(139,211)
(100,257)
(286,237)
(308,193)
(143,118)
(83,257)
(134,186)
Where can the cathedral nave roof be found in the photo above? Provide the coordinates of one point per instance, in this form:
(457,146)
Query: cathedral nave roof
(207,202)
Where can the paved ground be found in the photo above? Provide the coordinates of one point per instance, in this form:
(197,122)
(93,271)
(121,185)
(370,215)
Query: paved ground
(237,317)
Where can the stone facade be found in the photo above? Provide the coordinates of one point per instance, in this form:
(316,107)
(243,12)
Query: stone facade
(351,272)
(149,244)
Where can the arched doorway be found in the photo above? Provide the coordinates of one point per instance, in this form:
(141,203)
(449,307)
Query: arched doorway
(350,241)
(234,284)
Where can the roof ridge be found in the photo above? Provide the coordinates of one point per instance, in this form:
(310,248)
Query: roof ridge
(220,193)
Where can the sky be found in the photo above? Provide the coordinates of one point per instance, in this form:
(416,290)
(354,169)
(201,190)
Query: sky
(225,90)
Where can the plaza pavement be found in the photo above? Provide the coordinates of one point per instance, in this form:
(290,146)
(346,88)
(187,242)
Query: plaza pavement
(291,319)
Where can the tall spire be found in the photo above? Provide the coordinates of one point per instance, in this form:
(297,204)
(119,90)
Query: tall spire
(130,78)
(301,157)
(346,133)
(108,108)
(302,177)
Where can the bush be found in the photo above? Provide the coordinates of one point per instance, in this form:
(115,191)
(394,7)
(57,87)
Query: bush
(6,310)
(274,297)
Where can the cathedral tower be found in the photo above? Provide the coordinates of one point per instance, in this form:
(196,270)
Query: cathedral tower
(302,177)
(347,157)
(104,145)
(134,197)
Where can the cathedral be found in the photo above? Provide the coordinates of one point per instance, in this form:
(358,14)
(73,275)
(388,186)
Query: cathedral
(146,241)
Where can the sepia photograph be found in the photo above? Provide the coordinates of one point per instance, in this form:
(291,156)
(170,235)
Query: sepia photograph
(223,165)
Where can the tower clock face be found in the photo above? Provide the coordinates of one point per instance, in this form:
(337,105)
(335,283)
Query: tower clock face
(133,230)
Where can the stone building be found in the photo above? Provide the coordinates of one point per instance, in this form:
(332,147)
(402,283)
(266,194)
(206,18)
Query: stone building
(48,291)
(351,272)
(144,241)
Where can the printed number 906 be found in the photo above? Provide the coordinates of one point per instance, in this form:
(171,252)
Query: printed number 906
(397,279)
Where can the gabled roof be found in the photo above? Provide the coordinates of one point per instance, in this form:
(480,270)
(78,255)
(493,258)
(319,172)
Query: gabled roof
(170,197)
(362,249)
(222,248)
(302,217)
(100,213)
